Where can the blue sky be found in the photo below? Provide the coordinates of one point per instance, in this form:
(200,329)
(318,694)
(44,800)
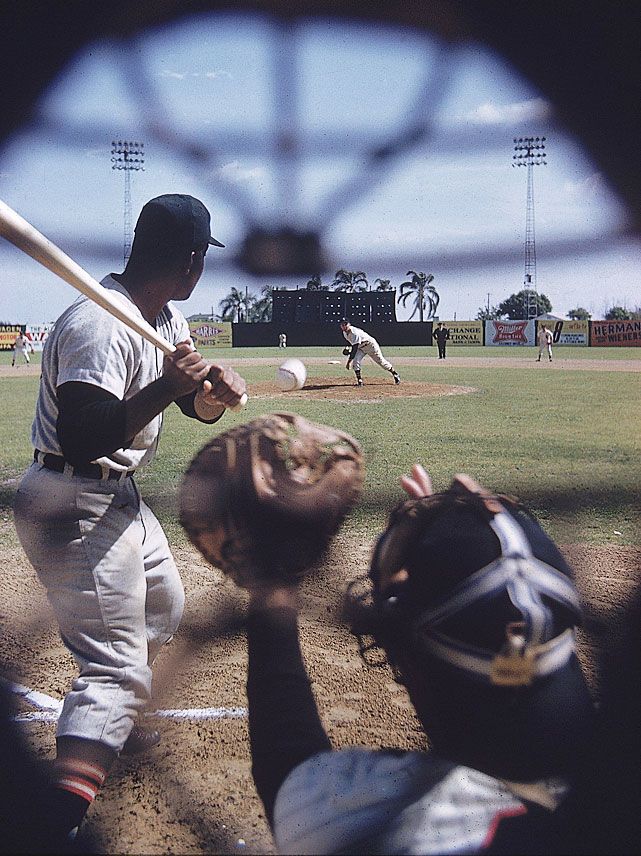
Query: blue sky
(211,95)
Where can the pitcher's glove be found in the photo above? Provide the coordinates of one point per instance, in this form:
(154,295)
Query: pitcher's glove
(262,501)
(347,352)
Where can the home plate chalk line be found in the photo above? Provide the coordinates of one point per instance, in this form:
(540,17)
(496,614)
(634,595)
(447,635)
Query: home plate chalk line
(48,708)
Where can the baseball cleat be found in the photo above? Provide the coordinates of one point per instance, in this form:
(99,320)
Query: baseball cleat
(396,377)
(140,740)
(359,382)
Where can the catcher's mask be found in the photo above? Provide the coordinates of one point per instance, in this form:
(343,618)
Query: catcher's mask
(486,592)
(483,613)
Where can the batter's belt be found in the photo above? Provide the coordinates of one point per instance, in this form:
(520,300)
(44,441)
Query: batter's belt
(85,471)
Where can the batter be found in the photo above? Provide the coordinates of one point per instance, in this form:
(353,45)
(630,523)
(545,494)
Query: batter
(95,545)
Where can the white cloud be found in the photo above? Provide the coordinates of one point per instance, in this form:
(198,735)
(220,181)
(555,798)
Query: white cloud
(591,185)
(234,172)
(183,75)
(174,75)
(96,152)
(491,113)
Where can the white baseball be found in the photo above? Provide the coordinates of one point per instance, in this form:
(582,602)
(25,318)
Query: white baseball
(291,375)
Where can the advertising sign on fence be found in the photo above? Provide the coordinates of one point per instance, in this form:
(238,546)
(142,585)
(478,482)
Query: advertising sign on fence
(510,333)
(37,334)
(566,332)
(465,332)
(8,333)
(621,334)
(211,334)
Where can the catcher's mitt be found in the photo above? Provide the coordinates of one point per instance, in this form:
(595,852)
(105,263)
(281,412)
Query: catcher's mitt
(347,352)
(263,500)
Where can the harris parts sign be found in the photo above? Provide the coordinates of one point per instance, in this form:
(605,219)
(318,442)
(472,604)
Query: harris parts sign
(211,334)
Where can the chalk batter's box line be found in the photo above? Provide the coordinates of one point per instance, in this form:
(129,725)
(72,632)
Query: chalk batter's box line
(49,708)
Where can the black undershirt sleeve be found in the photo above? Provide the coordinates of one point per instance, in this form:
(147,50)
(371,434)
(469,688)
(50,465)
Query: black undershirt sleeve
(284,725)
(353,352)
(91,422)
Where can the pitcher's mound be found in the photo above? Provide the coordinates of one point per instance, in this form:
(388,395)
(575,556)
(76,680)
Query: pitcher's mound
(373,390)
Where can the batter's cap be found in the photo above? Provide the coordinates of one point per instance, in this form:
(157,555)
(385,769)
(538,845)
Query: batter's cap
(175,220)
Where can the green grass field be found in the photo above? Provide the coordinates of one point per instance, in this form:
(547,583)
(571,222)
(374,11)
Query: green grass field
(565,441)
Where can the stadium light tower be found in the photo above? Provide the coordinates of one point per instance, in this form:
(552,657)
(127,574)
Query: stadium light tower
(529,152)
(127,155)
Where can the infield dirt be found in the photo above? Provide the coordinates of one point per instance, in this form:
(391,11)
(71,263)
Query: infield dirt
(194,793)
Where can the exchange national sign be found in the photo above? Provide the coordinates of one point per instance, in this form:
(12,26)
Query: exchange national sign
(212,334)
(465,332)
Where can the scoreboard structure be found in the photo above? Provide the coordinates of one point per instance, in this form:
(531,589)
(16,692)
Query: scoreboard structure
(328,307)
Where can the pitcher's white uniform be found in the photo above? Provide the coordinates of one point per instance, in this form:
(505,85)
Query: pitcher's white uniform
(367,346)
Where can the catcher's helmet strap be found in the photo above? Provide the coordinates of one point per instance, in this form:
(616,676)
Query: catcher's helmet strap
(517,569)
(517,665)
(526,580)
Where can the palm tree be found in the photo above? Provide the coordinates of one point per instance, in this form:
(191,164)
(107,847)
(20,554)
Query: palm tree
(315,284)
(237,304)
(383,285)
(262,308)
(424,294)
(350,280)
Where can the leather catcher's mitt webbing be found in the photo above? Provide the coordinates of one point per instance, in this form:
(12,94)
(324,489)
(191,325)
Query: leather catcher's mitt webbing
(263,500)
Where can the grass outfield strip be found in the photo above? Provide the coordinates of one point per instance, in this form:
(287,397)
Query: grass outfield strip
(566,442)
(560,352)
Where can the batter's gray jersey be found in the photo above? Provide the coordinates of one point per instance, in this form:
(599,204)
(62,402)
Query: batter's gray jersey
(90,346)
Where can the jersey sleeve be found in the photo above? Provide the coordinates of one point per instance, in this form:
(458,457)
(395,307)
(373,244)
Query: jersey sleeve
(97,349)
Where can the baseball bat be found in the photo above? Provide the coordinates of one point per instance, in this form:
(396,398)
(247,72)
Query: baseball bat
(27,238)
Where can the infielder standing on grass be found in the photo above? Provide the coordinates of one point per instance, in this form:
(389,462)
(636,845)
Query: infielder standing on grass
(95,545)
(545,342)
(23,346)
(362,344)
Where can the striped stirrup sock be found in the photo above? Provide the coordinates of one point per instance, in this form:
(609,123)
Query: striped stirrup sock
(78,777)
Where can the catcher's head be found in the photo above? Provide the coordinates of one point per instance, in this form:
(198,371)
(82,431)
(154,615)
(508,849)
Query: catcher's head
(476,608)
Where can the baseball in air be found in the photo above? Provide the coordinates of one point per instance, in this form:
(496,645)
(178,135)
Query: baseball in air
(291,375)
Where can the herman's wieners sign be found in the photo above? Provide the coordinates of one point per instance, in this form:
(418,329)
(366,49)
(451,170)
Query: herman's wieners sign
(610,334)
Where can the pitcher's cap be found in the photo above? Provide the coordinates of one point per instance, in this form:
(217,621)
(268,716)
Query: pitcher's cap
(176,220)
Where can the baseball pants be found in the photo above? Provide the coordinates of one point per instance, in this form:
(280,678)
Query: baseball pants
(375,353)
(25,356)
(114,587)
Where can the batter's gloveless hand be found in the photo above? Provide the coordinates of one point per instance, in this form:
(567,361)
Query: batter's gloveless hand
(184,370)
(222,386)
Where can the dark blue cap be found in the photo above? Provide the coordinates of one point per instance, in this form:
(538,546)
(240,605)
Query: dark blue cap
(177,220)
